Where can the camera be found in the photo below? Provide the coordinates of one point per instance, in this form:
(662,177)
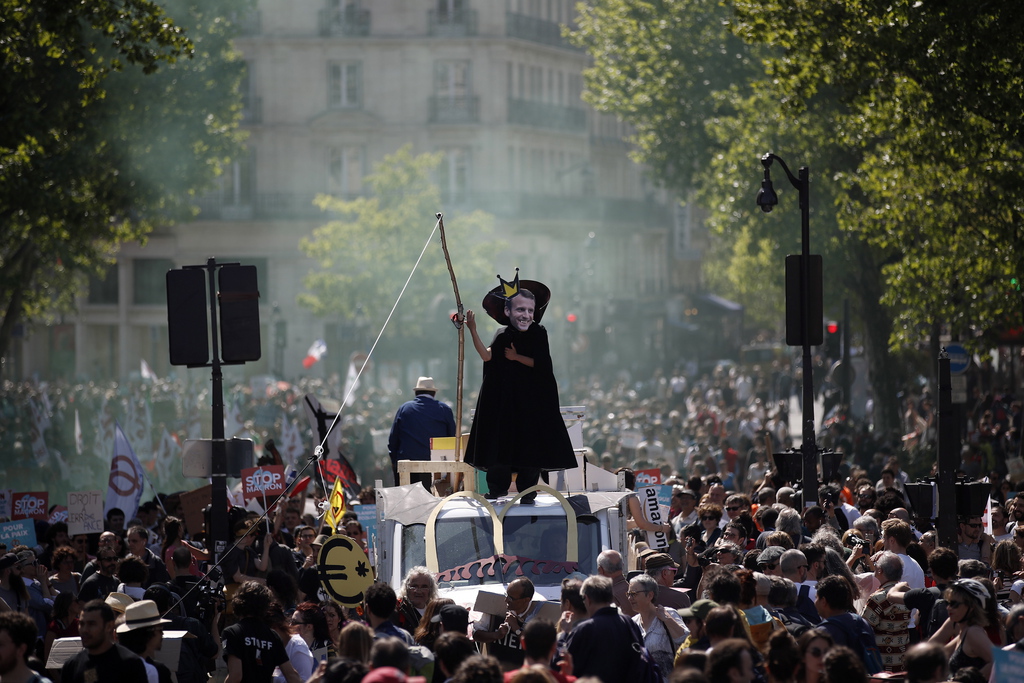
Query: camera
(210,597)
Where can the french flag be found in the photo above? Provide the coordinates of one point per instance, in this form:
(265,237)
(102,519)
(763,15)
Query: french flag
(315,353)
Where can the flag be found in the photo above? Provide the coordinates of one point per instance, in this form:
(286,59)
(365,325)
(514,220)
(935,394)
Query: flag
(335,506)
(79,445)
(40,422)
(351,382)
(291,443)
(146,371)
(124,486)
(233,424)
(166,456)
(315,353)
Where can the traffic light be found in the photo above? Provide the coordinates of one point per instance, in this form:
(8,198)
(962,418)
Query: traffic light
(833,335)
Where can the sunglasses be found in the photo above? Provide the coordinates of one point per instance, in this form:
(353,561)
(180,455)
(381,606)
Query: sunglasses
(974,525)
(815,651)
(954,603)
(732,508)
(770,566)
(707,518)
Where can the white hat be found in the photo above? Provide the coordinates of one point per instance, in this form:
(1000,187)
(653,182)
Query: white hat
(140,615)
(425,384)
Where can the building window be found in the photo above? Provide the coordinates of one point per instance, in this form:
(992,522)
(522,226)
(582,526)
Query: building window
(345,170)
(453,173)
(150,280)
(238,185)
(451,80)
(103,288)
(344,86)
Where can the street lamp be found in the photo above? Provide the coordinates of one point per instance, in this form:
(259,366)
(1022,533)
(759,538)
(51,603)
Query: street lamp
(808,322)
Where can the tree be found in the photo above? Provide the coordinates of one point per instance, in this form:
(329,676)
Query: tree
(112,117)
(696,92)
(367,253)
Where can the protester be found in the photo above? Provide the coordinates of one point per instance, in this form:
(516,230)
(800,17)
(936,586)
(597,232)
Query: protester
(252,649)
(17,642)
(101,659)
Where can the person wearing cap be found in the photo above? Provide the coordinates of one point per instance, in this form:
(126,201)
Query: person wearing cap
(693,617)
(518,425)
(768,560)
(964,633)
(12,588)
(101,659)
(452,618)
(415,423)
(662,568)
(142,632)
(683,500)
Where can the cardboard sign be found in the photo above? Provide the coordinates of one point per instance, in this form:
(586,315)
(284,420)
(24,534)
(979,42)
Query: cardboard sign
(21,532)
(85,512)
(648,496)
(32,505)
(494,604)
(5,503)
(648,477)
(262,482)
(192,504)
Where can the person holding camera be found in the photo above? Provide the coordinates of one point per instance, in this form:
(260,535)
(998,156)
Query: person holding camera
(831,504)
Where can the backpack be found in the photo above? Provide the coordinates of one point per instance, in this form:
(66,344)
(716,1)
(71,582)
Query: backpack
(643,668)
(795,628)
(865,638)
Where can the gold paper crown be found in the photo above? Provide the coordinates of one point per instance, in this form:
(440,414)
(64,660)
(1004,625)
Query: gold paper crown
(509,289)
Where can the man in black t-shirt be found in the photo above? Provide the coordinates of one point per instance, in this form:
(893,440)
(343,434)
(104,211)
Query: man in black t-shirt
(102,582)
(101,659)
(251,648)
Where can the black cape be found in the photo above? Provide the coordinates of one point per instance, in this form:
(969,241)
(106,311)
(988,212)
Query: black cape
(518,422)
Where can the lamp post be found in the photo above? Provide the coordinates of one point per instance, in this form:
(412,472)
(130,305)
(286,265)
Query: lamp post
(767,200)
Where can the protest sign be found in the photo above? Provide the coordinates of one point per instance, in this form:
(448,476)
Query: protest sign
(85,512)
(21,532)
(650,477)
(31,505)
(192,504)
(648,496)
(263,483)
(59,513)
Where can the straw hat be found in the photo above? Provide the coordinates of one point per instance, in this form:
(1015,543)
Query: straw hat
(140,615)
(119,601)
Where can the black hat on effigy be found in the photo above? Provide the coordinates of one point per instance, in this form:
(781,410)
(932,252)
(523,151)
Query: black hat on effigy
(495,300)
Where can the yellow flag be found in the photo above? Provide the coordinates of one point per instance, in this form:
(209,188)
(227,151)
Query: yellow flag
(335,506)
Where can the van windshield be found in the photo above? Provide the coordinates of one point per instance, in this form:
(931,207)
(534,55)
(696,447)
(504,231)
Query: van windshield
(467,544)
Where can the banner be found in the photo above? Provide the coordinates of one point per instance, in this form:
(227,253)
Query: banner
(21,532)
(650,477)
(334,470)
(59,513)
(124,486)
(263,483)
(31,505)
(648,496)
(85,512)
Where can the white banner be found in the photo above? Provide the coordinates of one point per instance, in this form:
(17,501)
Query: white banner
(648,496)
(124,487)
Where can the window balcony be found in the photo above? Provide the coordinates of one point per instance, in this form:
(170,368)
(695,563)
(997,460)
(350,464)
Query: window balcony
(535,30)
(457,24)
(348,21)
(455,109)
(543,115)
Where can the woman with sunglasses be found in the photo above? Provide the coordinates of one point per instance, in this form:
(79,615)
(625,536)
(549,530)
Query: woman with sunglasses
(963,634)
(813,645)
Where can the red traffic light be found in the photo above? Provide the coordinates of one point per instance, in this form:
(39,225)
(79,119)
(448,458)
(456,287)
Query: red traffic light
(570,317)
(832,327)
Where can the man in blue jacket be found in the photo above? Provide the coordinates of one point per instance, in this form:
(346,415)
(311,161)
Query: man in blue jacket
(415,423)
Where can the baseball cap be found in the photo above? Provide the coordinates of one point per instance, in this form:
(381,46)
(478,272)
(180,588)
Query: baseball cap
(8,560)
(699,609)
(453,618)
